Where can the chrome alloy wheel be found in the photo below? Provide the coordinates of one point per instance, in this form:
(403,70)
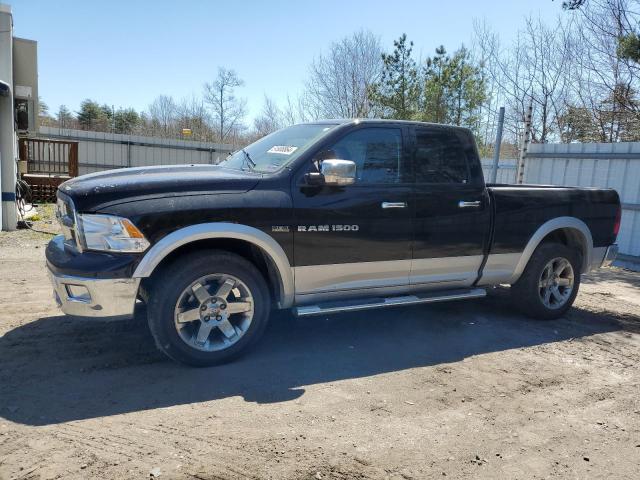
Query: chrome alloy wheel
(214,312)
(556,283)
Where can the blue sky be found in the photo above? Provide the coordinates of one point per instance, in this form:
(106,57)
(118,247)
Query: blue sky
(125,53)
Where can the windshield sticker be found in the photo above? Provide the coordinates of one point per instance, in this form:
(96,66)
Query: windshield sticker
(282,149)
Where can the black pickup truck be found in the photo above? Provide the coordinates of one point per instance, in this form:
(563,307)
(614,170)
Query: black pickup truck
(325,217)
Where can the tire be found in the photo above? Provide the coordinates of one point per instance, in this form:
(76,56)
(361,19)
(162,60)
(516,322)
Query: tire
(194,325)
(530,292)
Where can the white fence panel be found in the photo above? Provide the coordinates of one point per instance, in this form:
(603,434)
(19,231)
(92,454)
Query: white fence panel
(602,165)
(99,151)
(506,170)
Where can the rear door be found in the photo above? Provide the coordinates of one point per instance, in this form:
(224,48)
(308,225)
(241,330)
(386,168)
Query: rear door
(452,215)
(356,237)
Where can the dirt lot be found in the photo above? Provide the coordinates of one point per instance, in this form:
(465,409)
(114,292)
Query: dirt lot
(454,390)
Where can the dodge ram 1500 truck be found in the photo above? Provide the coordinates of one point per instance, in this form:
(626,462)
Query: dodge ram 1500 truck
(331,216)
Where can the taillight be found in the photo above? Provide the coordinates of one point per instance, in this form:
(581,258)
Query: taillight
(616,226)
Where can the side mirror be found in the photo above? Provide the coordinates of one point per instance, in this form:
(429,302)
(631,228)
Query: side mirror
(338,172)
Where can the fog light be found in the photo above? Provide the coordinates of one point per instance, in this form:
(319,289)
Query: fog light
(78,293)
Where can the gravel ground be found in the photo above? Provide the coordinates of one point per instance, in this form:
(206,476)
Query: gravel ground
(457,390)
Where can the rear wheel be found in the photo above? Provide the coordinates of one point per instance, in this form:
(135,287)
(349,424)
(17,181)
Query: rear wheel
(549,284)
(208,308)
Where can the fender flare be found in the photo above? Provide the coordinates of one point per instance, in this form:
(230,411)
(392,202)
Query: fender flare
(205,231)
(558,223)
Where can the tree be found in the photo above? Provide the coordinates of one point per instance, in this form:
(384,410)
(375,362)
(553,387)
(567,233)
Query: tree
(454,89)
(43,108)
(340,80)
(125,120)
(535,70)
(607,72)
(228,111)
(64,117)
(91,116)
(577,125)
(162,114)
(397,92)
(572,4)
(269,120)
(436,78)
(629,47)
(192,114)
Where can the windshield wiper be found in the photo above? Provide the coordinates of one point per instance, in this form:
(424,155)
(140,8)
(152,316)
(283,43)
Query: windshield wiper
(249,161)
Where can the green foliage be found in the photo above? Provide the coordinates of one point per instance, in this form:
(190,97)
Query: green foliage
(91,116)
(616,118)
(447,89)
(578,125)
(453,89)
(629,47)
(398,91)
(125,120)
(572,4)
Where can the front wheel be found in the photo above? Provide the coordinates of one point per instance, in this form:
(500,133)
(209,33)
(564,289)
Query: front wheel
(549,284)
(208,307)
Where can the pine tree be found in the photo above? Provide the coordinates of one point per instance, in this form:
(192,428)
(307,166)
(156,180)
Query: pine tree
(91,115)
(126,120)
(398,91)
(453,89)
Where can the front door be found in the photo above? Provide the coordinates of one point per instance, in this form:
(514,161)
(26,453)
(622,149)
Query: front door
(356,237)
(452,211)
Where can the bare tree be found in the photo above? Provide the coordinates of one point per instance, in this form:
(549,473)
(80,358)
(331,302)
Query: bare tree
(270,119)
(191,113)
(608,81)
(228,110)
(339,80)
(162,113)
(535,70)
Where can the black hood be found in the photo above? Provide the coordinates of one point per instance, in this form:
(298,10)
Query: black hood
(98,190)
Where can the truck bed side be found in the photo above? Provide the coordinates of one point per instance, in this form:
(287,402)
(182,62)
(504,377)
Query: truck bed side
(522,214)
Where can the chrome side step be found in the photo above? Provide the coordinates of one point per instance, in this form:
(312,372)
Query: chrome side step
(368,303)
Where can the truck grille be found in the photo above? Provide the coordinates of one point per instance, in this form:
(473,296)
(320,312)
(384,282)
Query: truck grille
(66,215)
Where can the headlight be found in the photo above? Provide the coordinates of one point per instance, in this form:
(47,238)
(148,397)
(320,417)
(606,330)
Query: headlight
(110,233)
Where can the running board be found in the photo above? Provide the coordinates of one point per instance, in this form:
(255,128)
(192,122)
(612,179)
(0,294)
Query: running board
(368,303)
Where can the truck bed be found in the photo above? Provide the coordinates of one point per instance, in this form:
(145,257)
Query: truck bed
(519,210)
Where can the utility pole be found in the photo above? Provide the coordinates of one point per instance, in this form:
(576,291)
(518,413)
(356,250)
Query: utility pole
(496,149)
(525,145)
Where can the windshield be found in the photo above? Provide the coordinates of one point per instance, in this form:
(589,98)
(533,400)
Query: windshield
(276,150)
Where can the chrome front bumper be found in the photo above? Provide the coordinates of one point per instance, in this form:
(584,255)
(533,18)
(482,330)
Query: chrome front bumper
(92,297)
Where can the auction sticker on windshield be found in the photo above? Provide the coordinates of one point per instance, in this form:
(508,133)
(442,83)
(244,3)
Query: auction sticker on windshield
(282,149)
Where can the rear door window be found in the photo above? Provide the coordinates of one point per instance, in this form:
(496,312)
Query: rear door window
(440,157)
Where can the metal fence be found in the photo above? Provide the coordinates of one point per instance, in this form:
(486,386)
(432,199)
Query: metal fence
(506,170)
(102,151)
(603,165)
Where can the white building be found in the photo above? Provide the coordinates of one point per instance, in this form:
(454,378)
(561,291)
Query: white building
(18,107)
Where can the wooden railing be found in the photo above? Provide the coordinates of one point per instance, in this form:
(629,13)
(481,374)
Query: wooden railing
(49,163)
(49,157)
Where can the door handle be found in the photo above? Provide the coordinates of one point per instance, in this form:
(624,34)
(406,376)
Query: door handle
(394,204)
(463,204)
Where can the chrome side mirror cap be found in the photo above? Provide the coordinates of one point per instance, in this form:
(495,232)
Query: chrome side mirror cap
(338,172)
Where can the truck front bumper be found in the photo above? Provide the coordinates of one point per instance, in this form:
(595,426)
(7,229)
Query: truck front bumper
(92,284)
(111,298)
